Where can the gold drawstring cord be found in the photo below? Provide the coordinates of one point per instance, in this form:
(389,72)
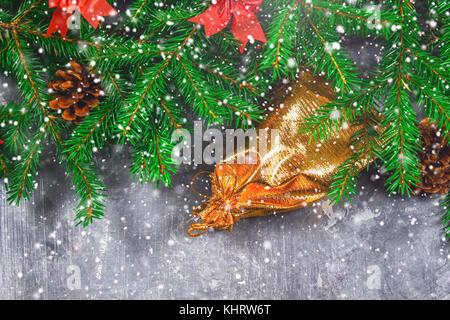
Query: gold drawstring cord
(192,184)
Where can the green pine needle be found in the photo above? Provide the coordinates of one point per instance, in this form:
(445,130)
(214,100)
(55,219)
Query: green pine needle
(155,64)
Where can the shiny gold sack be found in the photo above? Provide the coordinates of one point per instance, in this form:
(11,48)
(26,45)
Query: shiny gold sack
(290,174)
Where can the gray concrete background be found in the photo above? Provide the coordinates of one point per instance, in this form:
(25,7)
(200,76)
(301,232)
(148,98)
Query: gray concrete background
(378,247)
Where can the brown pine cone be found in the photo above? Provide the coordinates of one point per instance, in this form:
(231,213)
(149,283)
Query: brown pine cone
(435,160)
(76,91)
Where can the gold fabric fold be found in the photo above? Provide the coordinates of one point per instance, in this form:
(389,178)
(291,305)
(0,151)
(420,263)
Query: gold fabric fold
(290,174)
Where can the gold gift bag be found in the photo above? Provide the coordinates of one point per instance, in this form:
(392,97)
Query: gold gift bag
(290,174)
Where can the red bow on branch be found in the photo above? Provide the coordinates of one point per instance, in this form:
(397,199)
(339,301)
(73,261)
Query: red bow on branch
(91,10)
(244,25)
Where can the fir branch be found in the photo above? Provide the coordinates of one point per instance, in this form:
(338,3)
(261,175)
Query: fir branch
(17,137)
(34,93)
(89,189)
(401,145)
(221,74)
(172,111)
(4,166)
(281,41)
(23,14)
(153,156)
(28,75)
(32,89)
(369,20)
(437,105)
(138,10)
(91,134)
(400,122)
(126,53)
(433,67)
(21,183)
(333,115)
(393,85)
(156,79)
(194,93)
(62,46)
(66,47)
(344,181)
(367,147)
(179,66)
(343,82)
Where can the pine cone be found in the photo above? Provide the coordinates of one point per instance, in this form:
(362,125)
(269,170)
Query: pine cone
(76,91)
(435,160)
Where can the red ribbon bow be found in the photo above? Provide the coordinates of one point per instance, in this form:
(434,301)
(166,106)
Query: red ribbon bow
(90,9)
(244,24)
